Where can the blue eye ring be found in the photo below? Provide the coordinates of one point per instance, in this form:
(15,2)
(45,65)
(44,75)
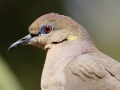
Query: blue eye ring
(46,29)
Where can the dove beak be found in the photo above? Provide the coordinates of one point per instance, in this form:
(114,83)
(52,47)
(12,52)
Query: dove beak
(23,41)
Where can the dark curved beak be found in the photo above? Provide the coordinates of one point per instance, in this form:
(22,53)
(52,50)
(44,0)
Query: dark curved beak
(22,41)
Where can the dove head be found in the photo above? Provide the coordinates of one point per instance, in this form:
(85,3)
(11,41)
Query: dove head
(50,30)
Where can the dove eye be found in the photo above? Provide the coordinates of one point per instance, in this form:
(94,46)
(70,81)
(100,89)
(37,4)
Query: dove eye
(46,29)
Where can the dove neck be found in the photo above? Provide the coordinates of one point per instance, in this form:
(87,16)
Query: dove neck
(70,48)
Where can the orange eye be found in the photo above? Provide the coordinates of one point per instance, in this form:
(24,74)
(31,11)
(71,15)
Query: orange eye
(47,29)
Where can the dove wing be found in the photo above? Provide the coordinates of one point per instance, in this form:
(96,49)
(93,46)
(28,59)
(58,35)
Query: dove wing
(93,71)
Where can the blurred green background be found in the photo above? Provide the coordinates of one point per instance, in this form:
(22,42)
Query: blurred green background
(21,68)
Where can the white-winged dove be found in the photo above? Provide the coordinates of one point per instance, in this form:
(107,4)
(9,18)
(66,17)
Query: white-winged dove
(72,61)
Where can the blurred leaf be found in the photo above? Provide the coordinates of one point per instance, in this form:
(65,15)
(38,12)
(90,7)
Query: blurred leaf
(8,81)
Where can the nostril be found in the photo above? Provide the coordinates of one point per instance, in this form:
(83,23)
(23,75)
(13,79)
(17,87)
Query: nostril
(23,39)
